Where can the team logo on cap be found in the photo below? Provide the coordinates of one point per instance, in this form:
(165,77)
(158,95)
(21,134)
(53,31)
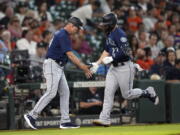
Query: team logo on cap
(123,39)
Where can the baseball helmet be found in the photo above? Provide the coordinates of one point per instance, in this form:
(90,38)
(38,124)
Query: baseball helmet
(76,22)
(109,21)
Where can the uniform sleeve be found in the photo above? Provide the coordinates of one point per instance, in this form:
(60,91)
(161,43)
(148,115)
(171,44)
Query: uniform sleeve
(65,44)
(106,48)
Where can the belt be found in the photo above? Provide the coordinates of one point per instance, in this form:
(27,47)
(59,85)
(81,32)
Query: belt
(60,63)
(115,64)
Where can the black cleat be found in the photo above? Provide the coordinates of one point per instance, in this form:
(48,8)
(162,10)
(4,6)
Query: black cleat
(152,95)
(30,121)
(68,125)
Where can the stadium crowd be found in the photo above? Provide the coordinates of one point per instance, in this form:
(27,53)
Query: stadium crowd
(152,27)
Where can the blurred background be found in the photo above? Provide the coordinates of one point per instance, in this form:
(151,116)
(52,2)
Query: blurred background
(26,28)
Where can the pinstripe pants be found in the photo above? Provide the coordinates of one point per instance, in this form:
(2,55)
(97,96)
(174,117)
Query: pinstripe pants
(55,81)
(120,76)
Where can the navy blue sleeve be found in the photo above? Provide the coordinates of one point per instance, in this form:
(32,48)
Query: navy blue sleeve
(106,48)
(65,44)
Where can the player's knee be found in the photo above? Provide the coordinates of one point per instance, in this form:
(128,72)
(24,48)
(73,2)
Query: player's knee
(126,95)
(52,95)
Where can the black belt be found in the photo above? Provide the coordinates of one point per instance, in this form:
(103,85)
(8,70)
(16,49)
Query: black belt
(60,63)
(115,64)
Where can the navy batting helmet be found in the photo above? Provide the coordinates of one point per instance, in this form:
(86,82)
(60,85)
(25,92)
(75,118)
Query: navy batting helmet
(76,22)
(109,21)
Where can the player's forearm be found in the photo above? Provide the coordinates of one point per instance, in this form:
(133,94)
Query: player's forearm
(103,55)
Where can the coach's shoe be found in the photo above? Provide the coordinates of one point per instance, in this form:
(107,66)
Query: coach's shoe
(101,123)
(68,125)
(152,95)
(30,121)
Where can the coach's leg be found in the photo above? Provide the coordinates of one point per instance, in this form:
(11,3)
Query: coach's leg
(52,81)
(111,86)
(64,99)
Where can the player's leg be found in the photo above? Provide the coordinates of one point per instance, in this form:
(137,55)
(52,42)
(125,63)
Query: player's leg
(52,80)
(64,104)
(125,77)
(125,81)
(111,86)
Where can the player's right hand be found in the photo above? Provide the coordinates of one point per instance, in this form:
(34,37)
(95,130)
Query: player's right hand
(94,67)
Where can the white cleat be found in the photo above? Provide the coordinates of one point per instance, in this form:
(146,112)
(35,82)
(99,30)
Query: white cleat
(101,123)
(153,96)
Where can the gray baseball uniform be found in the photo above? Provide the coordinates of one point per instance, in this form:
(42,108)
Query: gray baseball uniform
(120,74)
(57,55)
(56,81)
(54,74)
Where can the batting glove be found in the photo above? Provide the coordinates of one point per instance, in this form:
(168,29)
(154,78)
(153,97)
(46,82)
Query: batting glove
(138,67)
(107,60)
(94,67)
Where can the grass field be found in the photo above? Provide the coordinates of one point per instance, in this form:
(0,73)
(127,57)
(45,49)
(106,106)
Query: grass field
(163,129)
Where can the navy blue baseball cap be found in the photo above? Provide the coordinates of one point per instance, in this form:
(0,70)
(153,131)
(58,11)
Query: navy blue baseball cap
(76,22)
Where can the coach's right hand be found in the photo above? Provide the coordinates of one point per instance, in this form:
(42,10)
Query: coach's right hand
(86,70)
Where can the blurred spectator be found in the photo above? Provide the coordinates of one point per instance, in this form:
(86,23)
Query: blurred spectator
(91,101)
(150,20)
(133,20)
(173,75)
(6,38)
(144,58)
(22,9)
(169,63)
(26,23)
(9,12)
(43,12)
(26,42)
(169,42)
(35,27)
(163,37)
(81,45)
(57,24)
(47,37)
(106,5)
(143,4)
(157,67)
(39,57)
(172,30)
(142,39)
(86,12)
(44,25)
(31,13)
(153,45)
(3,6)
(4,47)
(14,27)
(133,42)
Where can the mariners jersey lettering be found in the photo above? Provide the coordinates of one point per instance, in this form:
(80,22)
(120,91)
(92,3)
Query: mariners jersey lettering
(117,46)
(59,45)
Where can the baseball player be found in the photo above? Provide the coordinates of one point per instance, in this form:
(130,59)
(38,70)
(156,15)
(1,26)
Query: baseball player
(58,53)
(121,71)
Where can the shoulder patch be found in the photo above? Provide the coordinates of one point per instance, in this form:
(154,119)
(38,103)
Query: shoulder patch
(123,39)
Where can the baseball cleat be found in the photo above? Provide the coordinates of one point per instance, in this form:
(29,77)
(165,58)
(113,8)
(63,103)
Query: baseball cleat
(101,123)
(68,125)
(30,121)
(153,96)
